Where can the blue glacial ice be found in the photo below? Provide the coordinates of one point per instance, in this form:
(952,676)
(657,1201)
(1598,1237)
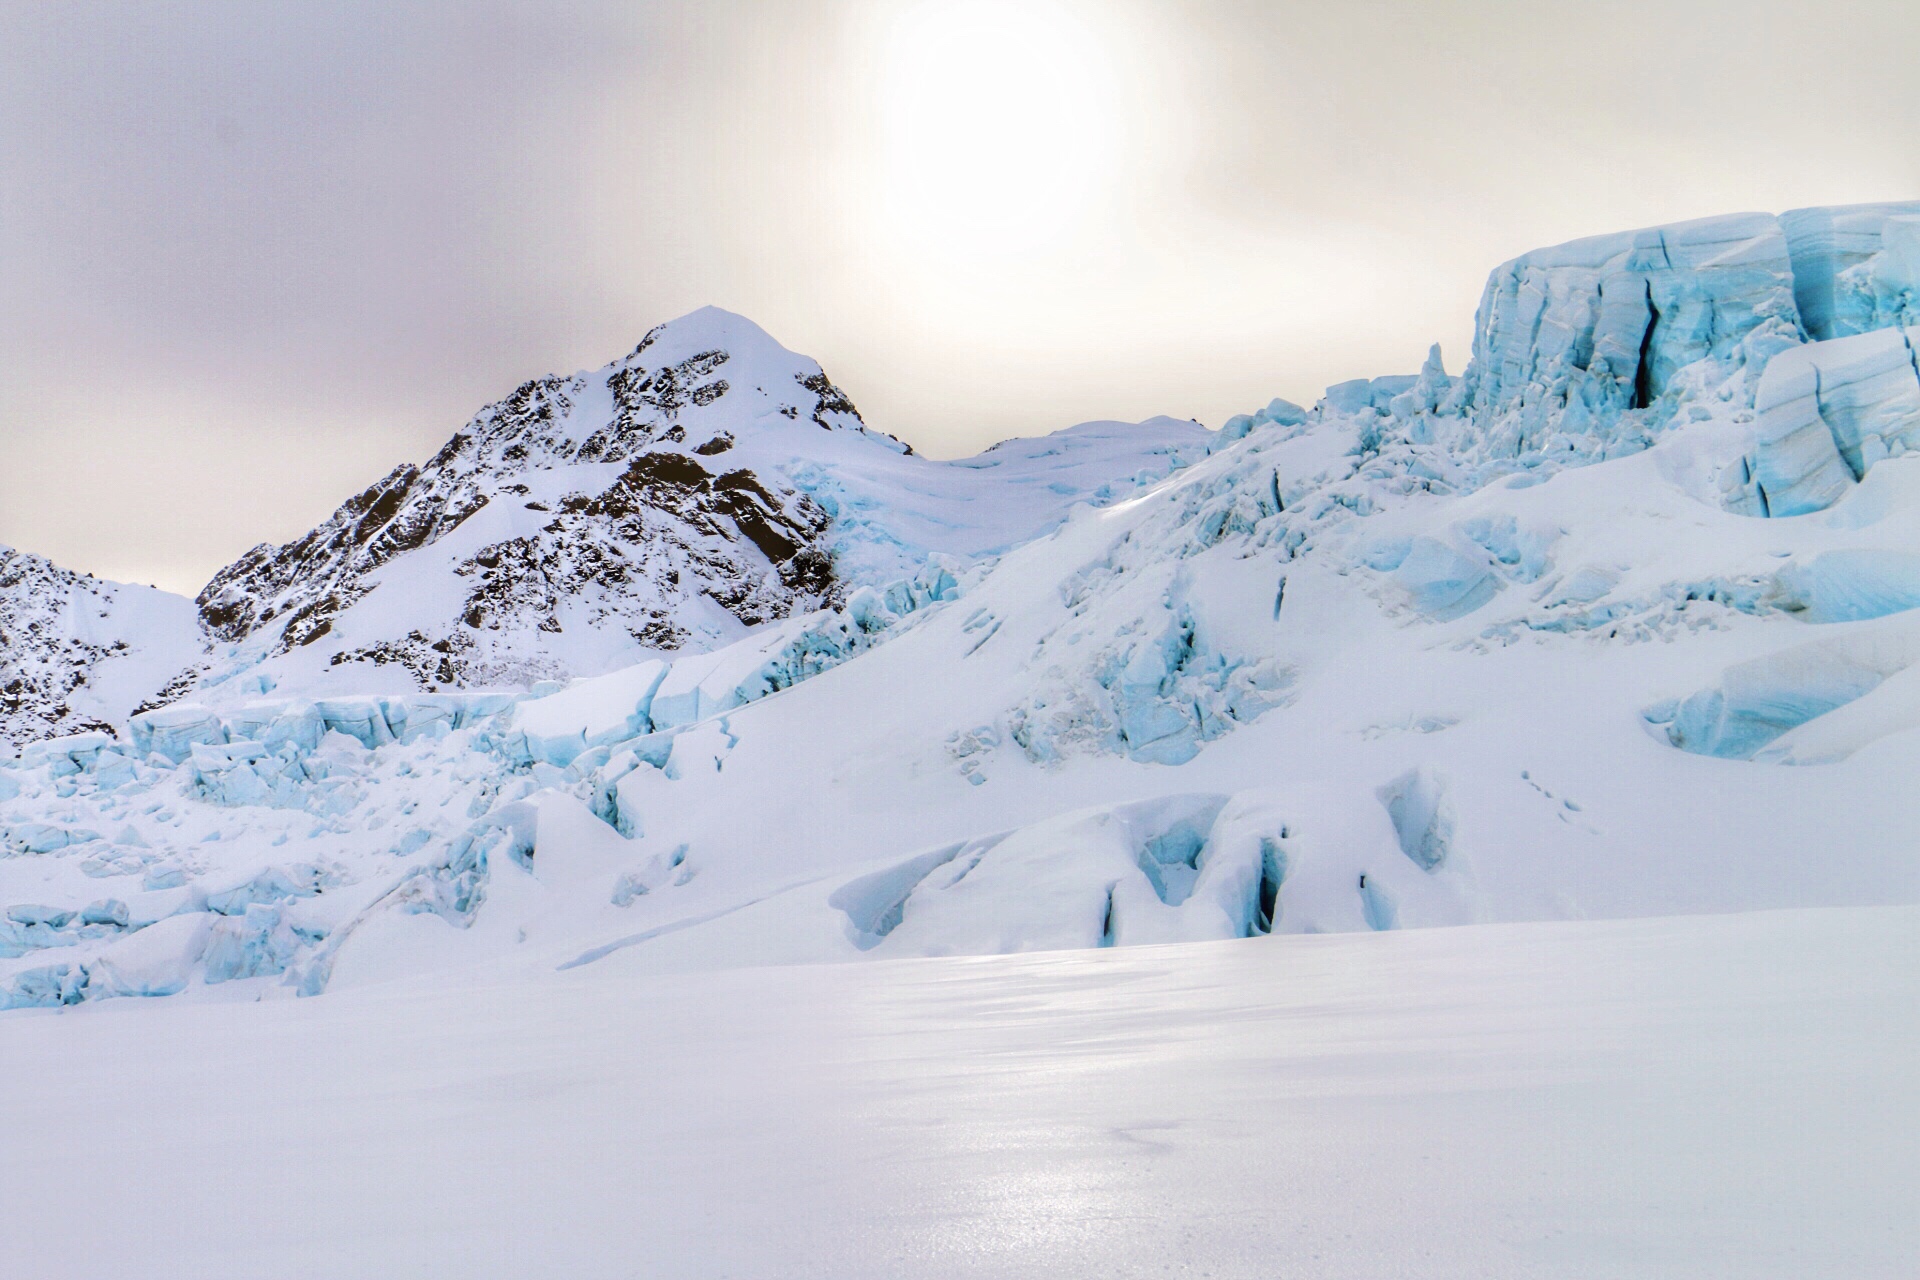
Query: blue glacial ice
(1422,816)
(1593,349)
(1155,698)
(1849,585)
(324,758)
(1171,868)
(1827,412)
(1759,700)
(1844,256)
(1589,330)
(642,708)
(258,942)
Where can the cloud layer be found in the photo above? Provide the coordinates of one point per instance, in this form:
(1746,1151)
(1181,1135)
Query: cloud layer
(252,256)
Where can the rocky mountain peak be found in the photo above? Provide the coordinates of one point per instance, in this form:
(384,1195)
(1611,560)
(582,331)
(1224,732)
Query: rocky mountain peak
(705,484)
(601,506)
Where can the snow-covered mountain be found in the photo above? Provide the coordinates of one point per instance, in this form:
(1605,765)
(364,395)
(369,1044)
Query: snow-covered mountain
(1624,620)
(706,484)
(579,522)
(79,653)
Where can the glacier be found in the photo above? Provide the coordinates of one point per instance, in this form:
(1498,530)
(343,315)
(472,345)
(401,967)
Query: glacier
(1678,465)
(1593,349)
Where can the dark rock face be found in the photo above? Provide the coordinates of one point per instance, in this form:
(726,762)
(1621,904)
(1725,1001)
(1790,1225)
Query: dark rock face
(308,582)
(634,554)
(631,555)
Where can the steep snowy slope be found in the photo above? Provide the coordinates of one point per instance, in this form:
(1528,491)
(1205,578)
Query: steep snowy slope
(708,483)
(79,653)
(1404,659)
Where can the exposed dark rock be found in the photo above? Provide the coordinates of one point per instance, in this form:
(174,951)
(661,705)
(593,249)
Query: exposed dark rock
(631,555)
(46,654)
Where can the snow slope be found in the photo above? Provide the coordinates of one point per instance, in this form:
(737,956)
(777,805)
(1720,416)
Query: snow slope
(1285,689)
(77,652)
(1673,1098)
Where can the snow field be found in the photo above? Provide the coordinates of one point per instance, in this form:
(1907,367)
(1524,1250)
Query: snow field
(1685,1097)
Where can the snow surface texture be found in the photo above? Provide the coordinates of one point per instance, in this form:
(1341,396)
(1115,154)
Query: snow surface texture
(1439,650)
(1624,1100)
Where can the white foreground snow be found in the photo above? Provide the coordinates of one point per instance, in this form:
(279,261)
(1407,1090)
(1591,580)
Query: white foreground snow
(1689,1096)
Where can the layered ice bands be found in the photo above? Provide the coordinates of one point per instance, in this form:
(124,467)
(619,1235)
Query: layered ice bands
(1827,412)
(1854,267)
(1593,348)
(1760,701)
(1603,325)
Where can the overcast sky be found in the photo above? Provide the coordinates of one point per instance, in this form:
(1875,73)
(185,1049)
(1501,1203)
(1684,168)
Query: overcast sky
(252,255)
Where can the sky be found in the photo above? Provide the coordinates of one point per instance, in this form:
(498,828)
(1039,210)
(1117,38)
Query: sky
(253,256)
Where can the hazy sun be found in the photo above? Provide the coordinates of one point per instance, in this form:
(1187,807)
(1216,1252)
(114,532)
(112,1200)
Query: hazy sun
(1000,121)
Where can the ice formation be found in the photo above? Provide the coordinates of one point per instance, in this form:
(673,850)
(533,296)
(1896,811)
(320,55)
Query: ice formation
(1437,649)
(1593,349)
(1417,803)
(1827,412)
(1759,700)
(1853,266)
(1165,870)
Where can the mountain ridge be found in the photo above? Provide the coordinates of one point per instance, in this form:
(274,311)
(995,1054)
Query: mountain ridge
(708,482)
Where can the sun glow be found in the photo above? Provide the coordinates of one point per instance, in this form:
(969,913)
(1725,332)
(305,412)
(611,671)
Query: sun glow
(1001,123)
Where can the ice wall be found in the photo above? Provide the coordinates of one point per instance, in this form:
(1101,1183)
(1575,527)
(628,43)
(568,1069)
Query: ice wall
(1602,325)
(1829,246)
(1591,348)
(1827,412)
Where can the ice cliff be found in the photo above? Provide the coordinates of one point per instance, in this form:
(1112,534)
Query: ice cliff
(1790,331)
(1593,348)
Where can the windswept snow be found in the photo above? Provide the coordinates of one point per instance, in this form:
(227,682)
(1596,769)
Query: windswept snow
(1668,1098)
